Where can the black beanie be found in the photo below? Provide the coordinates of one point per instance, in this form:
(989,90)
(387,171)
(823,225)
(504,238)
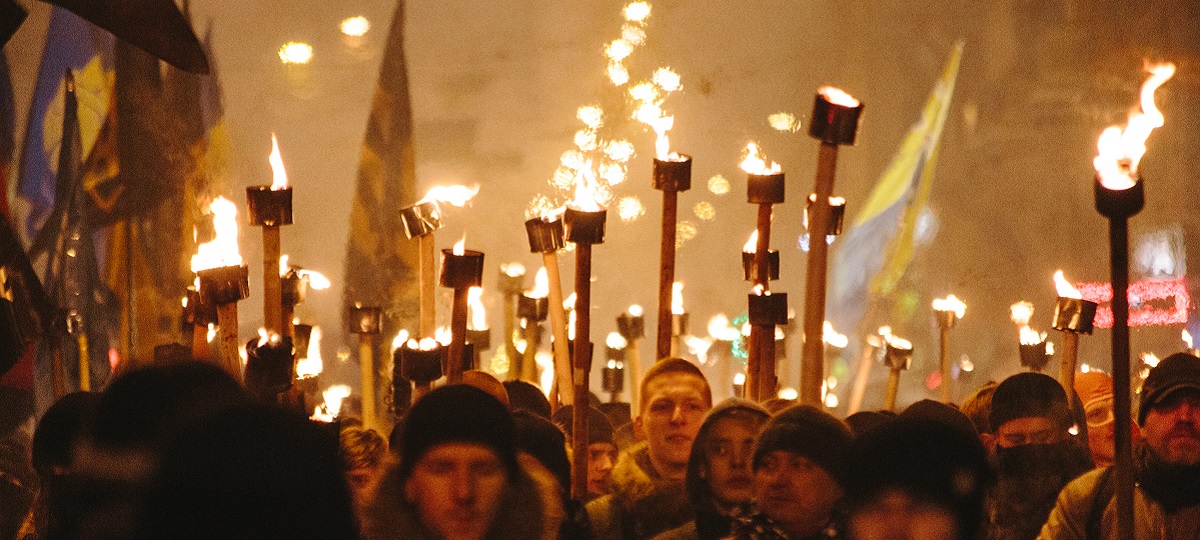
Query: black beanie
(1180,370)
(541,439)
(1028,395)
(457,413)
(809,432)
(600,429)
(930,460)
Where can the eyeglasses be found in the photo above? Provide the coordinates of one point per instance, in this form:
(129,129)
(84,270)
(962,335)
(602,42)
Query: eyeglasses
(1099,413)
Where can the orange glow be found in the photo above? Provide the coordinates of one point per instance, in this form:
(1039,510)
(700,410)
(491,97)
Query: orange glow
(837,96)
(677,298)
(541,285)
(587,198)
(1021,313)
(223,249)
(751,244)
(279,178)
(756,164)
(1065,289)
(313,364)
(1120,151)
(453,195)
(460,246)
(478,313)
(950,303)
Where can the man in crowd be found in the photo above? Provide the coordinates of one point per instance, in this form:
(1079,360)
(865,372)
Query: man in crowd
(1166,466)
(719,479)
(799,463)
(602,451)
(362,452)
(1095,394)
(1034,454)
(648,494)
(459,477)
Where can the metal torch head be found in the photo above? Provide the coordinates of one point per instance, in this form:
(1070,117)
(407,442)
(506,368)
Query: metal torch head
(1120,203)
(673,175)
(1074,315)
(765,188)
(834,123)
(421,219)
(897,358)
(460,271)
(268,207)
(545,236)
(583,227)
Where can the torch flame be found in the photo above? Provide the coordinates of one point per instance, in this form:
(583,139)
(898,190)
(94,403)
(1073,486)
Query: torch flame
(950,303)
(425,344)
(316,280)
(698,346)
(719,328)
(460,246)
(751,244)
(666,79)
(637,11)
(1187,338)
(837,96)
(400,339)
(587,198)
(454,195)
(284,267)
(513,269)
(475,303)
(312,365)
(1120,151)
(832,337)
(1064,287)
(1150,360)
(541,285)
(636,310)
(333,402)
(677,298)
(739,378)
(615,341)
(1029,336)
(212,333)
(755,164)
(1021,312)
(223,249)
(898,342)
(278,174)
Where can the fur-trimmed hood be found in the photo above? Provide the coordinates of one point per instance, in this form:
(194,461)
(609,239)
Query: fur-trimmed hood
(531,508)
(642,503)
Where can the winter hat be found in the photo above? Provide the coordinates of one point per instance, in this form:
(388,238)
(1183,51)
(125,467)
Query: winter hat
(930,460)
(457,414)
(525,396)
(1027,395)
(734,407)
(1175,372)
(1093,386)
(809,432)
(539,438)
(487,383)
(600,429)
(864,421)
(939,412)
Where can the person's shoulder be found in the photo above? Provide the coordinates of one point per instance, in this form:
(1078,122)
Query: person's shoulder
(687,531)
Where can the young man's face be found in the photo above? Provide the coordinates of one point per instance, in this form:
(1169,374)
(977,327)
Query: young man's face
(601,458)
(795,492)
(728,450)
(457,489)
(1028,430)
(671,415)
(1172,427)
(361,481)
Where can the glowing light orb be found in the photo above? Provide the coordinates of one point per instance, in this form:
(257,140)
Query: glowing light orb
(705,210)
(718,185)
(294,52)
(355,26)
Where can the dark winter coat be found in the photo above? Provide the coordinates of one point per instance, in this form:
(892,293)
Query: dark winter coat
(1028,481)
(642,503)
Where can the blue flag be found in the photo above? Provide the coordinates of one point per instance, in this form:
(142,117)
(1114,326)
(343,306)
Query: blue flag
(77,45)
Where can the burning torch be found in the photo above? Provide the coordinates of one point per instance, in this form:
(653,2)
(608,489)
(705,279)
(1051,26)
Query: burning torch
(533,307)
(1119,195)
(1072,316)
(511,284)
(295,283)
(897,356)
(632,327)
(834,122)
(874,343)
(421,220)
(948,311)
(672,174)
(461,269)
(583,223)
(270,207)
(546,237)
(1034,351)
(764,187)
(224,280)
(479,336)
(367,322)
(613,380)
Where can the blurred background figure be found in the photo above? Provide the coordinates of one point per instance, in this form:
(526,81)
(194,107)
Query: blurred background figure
(362,452)
(1095,393)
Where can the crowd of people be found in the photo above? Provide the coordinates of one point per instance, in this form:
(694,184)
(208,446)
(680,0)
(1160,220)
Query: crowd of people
(182,451)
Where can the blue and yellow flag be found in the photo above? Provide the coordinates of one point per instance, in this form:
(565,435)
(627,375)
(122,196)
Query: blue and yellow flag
(75,44)
(879,246)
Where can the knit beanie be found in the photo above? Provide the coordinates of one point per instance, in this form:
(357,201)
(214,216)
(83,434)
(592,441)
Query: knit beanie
(1093,386)
(810,432)
(600,429)
(539,438)
(1029,395)
(457,414)
(939,412)
(930,460)
(1180,370)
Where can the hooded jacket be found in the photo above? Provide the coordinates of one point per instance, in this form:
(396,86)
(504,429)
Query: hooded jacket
(642,503)
(530,509)
(709,523)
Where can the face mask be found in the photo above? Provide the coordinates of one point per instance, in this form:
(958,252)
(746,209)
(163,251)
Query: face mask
(1060,458)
